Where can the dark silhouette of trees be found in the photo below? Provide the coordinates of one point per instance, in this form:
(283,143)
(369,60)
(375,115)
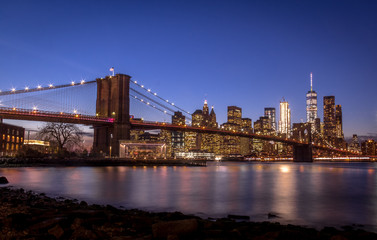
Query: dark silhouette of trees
(64,135)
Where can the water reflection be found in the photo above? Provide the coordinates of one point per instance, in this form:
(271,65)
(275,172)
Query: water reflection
(312,194)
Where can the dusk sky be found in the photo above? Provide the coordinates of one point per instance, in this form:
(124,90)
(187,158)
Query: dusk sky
(245,53)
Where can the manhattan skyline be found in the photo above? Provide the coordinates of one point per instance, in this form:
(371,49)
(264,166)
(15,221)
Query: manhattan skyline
(250,55)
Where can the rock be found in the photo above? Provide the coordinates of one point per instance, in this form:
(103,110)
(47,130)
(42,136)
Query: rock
(57,231)
(3,180)
(338,237)
(175,228)
(83,233)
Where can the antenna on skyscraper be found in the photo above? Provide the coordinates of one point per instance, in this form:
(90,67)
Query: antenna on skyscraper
(311,81)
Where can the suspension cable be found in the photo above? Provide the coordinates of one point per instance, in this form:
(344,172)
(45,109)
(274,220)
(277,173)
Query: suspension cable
(155,94)
(147,103)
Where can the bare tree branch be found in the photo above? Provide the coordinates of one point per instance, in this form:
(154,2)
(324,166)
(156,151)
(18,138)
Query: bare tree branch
(64,134)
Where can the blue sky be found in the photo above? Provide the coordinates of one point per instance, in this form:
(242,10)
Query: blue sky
(244,53)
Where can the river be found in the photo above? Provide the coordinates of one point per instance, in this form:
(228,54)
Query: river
(311,194)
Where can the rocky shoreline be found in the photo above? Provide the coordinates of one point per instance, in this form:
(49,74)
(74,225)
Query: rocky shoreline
(28,215)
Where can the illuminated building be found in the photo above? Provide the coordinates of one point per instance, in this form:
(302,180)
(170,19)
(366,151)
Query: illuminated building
(178,119)
(368,147)
(165,137)
(205,114)
(355,144)
(12,139)
(311,104)
(190,141)
(339,122)
(234,115)
(197,118)
(285,119)
(329,116)
(263,126)
(38,145)
(141,149)
(271,114)
(246,125)
(177,137)
(212,119)
(230,144)
(203,141)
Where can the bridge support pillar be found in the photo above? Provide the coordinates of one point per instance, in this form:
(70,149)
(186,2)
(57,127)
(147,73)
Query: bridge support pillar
(113,102)
(302,153)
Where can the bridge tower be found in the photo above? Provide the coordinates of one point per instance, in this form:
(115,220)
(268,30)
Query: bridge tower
(304,152)
(112,101)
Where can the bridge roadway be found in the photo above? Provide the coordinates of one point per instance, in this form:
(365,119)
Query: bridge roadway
(47,116)
(159,125)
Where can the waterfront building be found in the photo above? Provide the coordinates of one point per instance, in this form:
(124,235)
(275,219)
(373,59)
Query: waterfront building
(311,104)
(12,139)
(38,145)
(177,137)
(190,141)
(329,128)
(165,137)
(230,144)
(285,119)
(271,114)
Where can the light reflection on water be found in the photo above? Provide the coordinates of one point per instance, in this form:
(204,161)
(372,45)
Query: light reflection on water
(308,194)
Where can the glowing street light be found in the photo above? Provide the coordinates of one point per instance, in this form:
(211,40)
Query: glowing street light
(26,88)
(50,85)
(82,81)
(39,87)
(13,89)
(72,83)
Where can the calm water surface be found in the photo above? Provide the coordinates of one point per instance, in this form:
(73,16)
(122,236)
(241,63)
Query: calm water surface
(315,194)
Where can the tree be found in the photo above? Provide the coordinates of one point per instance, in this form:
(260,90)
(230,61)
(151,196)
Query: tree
(63,134)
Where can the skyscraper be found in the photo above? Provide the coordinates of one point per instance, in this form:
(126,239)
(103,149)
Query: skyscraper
(311,104)
(285,118)
(178,118)
(339,122)
(329,116)
(271,114)
(235,115)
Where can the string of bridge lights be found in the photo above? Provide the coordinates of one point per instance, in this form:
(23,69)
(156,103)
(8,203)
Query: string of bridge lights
(148,103)
(155,94)
(40,88)
(152,100)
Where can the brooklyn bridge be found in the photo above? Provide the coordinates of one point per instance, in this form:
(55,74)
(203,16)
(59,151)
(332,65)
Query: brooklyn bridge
(112,122)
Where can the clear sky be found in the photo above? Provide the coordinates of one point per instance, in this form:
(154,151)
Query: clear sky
(244,53)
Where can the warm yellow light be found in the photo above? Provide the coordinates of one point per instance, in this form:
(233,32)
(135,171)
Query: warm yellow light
(13,89)
(39,87)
